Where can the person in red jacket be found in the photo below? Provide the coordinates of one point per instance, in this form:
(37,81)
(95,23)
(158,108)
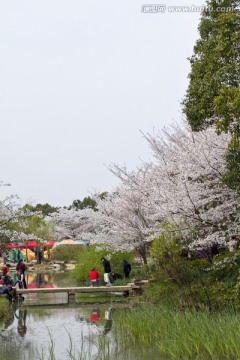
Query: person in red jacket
(5,269)
(94,277)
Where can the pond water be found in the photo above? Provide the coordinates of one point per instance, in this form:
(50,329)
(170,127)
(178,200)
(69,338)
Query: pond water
(83,332)
(35,333)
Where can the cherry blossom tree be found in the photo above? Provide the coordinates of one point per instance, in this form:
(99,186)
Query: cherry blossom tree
(18,224)
(14,221)
(182,186)
(72,223)
(192,165)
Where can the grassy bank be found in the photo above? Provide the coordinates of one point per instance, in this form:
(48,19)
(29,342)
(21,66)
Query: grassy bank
(181,335)
(4,305)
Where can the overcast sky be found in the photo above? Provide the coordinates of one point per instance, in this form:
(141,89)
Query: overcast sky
(78,81)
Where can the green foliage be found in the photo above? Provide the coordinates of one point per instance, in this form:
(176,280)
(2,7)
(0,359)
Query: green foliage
(166,252)
(45,209)
(225,268)
(121,282)
(4,307)
(213,94)
(232,175)
(227,108)
(192,282)
(67,252)
(187,334)
(90,258)
(87,202)
(215,66)
(144,271)
(31,224)
(159,292)
(37,226)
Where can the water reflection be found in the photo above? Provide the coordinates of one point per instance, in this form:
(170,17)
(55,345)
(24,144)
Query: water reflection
(40,280)
(63,329)
(95,315)
(108,324)
(37,280)
(68,333)
(22,318)
(86,333)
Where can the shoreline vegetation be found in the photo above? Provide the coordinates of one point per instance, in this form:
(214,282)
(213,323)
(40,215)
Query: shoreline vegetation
(145,332)
(190,314)
(4,307)
(189,309)
(189,334)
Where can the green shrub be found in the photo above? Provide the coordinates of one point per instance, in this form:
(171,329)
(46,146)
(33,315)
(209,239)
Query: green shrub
(213,283)
(67,252)
(121,282)
(160,293)
(90,258)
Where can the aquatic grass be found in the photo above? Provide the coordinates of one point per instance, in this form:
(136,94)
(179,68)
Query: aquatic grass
(51,348)
(152,332)
(98,341)
(188,334)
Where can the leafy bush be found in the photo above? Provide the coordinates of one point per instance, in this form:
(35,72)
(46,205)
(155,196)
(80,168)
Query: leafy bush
(192,282)
(90,258)
(67,252)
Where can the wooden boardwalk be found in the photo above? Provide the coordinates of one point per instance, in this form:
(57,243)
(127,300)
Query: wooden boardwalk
(130,289)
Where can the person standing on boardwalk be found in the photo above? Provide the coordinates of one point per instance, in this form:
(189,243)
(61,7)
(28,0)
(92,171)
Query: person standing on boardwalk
(126,268)
(5,258)
(20,278)
(22,267)
(107,271)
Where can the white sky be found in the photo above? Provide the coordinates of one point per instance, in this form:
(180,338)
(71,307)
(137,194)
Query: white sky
(78,81)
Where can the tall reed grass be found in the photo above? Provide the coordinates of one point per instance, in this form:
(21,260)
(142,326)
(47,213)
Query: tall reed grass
(181,335)
(152,333)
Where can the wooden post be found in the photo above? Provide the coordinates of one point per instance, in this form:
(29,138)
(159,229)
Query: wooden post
(26,243)
(71,298)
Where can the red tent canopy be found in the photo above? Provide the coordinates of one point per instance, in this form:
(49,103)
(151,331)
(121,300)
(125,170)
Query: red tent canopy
(11,246)
(30,244)
(50,243)
(16,246)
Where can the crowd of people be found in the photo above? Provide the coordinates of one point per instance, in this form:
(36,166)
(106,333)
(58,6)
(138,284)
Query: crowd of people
(8,287)
(109,276)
